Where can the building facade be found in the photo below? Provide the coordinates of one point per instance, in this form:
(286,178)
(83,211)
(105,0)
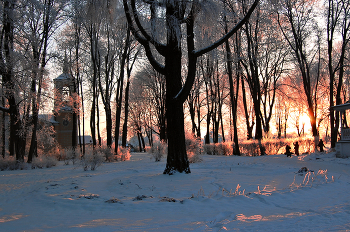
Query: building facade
(63,111)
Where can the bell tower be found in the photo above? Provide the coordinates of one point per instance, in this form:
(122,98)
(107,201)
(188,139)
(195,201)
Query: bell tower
(63,111)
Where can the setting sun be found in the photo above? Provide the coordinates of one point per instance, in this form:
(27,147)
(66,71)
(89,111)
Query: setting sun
(304,120)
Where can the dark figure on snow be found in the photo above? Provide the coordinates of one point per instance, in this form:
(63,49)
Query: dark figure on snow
(321,145)
(296,148)
(288,153)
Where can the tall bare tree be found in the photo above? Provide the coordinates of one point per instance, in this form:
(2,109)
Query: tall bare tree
(7,63)
(298,27)
(337,20)
(41,18)
(174,14)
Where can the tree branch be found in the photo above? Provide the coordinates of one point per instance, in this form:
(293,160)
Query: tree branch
(192,59)
(229,34)
(160,47)
(4,109)
(145,43)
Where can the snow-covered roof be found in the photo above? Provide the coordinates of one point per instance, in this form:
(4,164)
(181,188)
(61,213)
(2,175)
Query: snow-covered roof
(66,108)
(64,76)
(341,107)
(48,117)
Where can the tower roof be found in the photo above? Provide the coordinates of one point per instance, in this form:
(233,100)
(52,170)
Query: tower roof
(64,76)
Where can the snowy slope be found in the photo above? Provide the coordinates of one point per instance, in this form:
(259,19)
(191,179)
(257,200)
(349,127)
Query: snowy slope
(222,193)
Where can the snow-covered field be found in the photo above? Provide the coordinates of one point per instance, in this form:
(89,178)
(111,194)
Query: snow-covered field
(222,193)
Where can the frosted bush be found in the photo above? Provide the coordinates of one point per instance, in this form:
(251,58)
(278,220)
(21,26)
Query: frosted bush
(9,163)
(70,154)
(208,149)
(43,161)
(277,146)
(123,154)
(194,157)
(92,159)
(158,150)
(108,152)
(249,148)
(225,148)
(193,148)
(46,142)
(193,144)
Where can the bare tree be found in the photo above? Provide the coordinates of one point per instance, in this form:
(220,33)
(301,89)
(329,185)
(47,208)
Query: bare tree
(133,54)
(337,20)
(153,84)
(7,58)
(297,25)
(231,72)
(41,18)
(176,13)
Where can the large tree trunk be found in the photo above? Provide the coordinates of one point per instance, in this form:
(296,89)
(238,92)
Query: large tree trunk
(177,160)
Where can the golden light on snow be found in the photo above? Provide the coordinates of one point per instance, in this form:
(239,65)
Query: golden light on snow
(254,218)
(9,218)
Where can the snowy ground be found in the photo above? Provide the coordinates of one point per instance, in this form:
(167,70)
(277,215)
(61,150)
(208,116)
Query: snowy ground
(222,193)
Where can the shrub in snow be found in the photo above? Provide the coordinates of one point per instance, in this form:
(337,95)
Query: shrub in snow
(193,144)
(108,152)
(194,157)
(249,148)
(193,148)
(43,161)
(10,163)
(225,148)
(92,159)
(208,149)
(70,154)
(46,142)
(123,154)
(310,178)
(275,146)
(158,150)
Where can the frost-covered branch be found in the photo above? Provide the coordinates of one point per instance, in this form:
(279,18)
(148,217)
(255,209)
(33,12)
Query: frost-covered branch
(143,41)
(193,55)
(160,47)
(192,58)
(229,34)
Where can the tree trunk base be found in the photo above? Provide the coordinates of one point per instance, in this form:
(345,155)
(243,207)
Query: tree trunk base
(172,170)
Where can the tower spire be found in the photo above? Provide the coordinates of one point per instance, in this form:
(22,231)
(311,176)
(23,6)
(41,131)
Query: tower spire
(65,64)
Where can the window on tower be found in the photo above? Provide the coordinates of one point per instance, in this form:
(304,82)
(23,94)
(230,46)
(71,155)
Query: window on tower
(65,93)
